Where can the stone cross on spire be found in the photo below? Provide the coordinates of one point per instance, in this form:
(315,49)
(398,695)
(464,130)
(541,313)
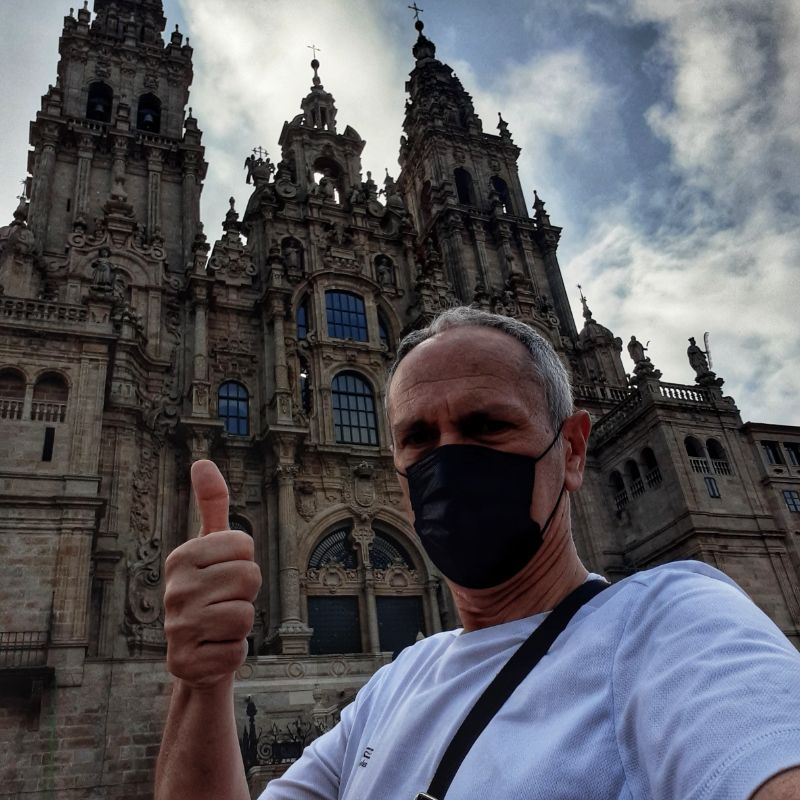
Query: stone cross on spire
(417,11)
(314,49)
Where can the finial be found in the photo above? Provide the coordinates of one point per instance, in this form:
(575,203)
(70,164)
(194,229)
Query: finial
(232,201)
(24,195)
(580,289)
(587,314)
(419,24)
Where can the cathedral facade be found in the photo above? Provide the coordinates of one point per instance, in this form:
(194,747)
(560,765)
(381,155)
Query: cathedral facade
(131,345)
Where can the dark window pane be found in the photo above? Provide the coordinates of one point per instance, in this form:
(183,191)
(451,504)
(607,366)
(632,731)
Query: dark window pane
(233,408)
(353,410)
(347,317)
(400,619)
(335,547)
(792,499)
(336,625)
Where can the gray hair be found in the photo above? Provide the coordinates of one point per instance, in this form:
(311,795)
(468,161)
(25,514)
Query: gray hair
(548,371)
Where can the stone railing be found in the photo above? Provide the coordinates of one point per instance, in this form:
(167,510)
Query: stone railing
(11,408)
(44,411)
(588,391)
(41,311)
(615,418)
(653,478)
(23,649)
(687,394)
(721,467)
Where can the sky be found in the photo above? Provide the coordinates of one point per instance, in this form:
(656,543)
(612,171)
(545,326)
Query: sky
(664,136)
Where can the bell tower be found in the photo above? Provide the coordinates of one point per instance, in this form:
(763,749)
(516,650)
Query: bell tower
(463,189)
(114,128)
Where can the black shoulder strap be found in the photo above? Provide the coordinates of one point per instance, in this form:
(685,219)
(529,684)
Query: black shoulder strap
(505,682)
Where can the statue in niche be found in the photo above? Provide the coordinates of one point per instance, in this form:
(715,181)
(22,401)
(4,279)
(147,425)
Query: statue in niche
(698,360)
(357,196)
(385,271)
(103,271)
(292,255)
(370,187)
(326,188)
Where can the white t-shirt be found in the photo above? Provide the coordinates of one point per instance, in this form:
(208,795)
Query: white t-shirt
(670,685)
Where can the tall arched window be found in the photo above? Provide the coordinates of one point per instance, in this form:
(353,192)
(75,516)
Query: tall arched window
(353,410)
(50,395)
(719,458)
(100,102)
(302,319)
(306,395)
(634,478)
(464,187)
(237,523)
(347,316)
(233,408)
(383,331)
(697,456)
(652,474)
(148,117)
(12,394)
(501,187)
(618,490)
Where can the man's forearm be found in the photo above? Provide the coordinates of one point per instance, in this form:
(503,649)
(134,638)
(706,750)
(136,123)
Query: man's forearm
(200,757)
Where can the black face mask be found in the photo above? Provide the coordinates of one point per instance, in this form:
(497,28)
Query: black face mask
(472,509)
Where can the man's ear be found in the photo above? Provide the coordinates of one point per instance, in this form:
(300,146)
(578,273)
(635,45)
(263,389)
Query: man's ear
(575,431)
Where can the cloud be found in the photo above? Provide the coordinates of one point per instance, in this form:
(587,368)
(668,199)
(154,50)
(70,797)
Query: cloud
(252,70)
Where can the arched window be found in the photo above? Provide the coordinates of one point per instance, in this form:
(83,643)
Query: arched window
(302,319)
(697,456)
(618,490)
(347,316)
(233,408)
(719,458)
(501,187)
(384,552)
(652,474)
(334,548)
(464,187)
(353,410)
(50,395)
(100,102)
(237,523)
(12,394)
(148,117)
(634,478)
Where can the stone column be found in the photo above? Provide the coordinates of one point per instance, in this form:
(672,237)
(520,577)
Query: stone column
(83,177)
(190,215)
(43,183)
(372,612)
(283,392)
(293,635)
(480,249)
(200,384)
(154,169)
(433,604)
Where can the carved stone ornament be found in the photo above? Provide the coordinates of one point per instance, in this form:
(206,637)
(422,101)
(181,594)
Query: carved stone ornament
(144,619)
(305,496)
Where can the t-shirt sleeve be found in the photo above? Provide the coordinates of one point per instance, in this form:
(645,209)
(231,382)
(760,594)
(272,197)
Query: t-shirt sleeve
(706,691)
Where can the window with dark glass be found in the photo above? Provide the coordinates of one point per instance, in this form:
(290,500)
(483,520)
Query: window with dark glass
(618,490)
(383,552)
(353,410)
(335,547)
(306,395)
(400,621)
(347,316)
(100,102)
(772,452)
(50,395)
(233,408)
(12,394)
(652,470)
(240,524)
(793,453)
(711,486)
(148,117)
(302,320)
(792,498)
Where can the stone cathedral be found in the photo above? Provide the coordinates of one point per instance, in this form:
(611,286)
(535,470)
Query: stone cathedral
(132,344)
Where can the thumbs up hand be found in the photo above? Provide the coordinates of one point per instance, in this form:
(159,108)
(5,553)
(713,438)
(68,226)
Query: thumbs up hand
(211,583)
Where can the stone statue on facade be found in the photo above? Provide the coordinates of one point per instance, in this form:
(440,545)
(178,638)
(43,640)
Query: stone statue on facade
(697,358)
(636,350)
(103,271)
(385,271)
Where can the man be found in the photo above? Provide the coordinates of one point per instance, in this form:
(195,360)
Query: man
(668,685)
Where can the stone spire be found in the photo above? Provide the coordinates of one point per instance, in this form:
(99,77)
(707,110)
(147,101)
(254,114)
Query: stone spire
(319,108)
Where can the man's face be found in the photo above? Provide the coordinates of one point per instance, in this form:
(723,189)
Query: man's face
(473,386)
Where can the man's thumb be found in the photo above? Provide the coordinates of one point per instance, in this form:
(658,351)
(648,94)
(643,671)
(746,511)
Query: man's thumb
(211,492)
